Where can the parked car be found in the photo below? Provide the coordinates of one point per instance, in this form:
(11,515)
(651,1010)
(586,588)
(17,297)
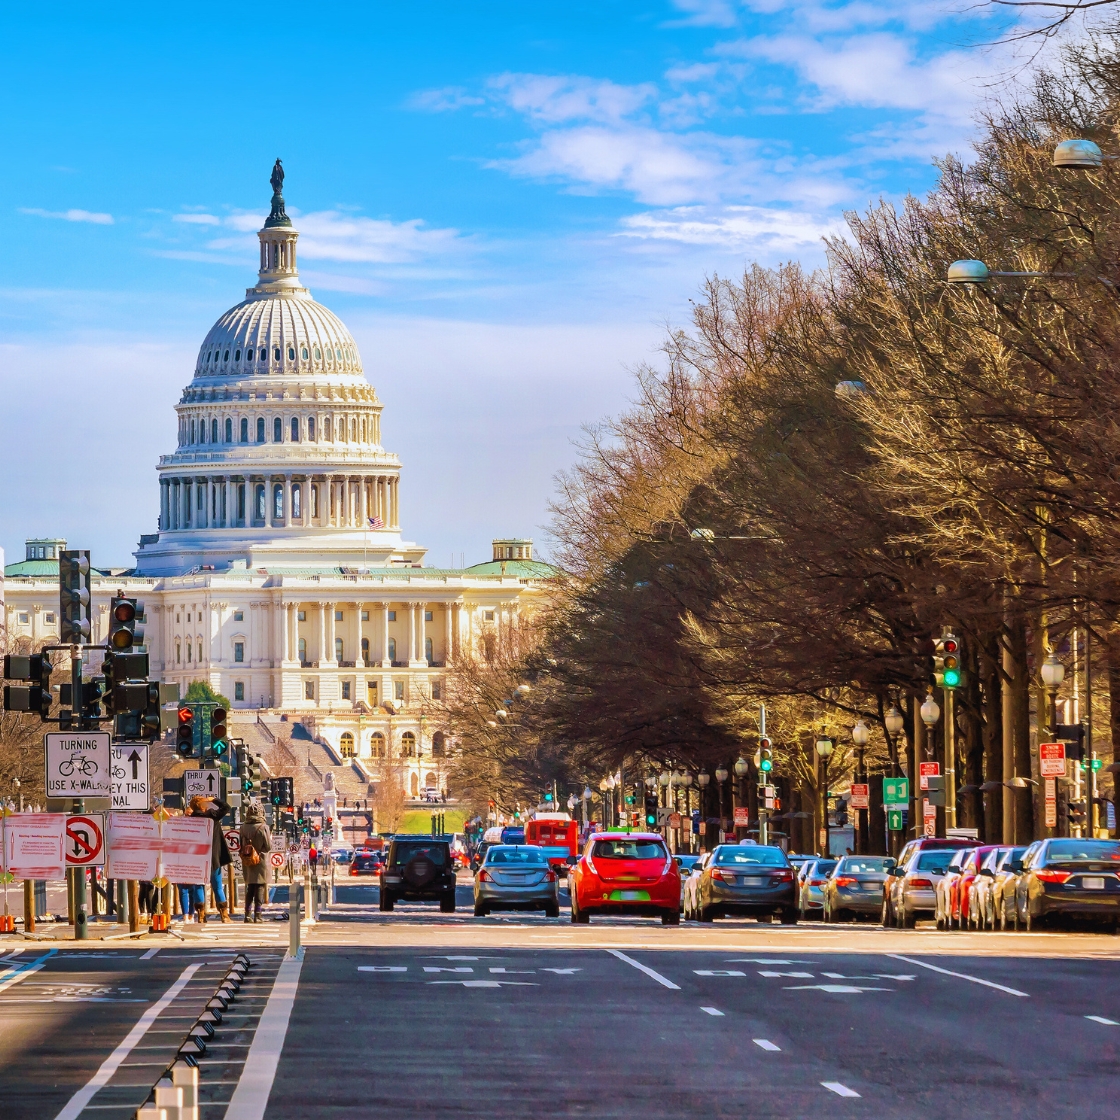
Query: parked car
(1070,878)
(756,881)
(342,854)
(943,903)
(1003,887)
(516,877)
(688,886)
(930,843)
(419,869)
(685,861)
(625,874)
(810,894)
(911,890)
(856,887)
(981,912)
(366,862)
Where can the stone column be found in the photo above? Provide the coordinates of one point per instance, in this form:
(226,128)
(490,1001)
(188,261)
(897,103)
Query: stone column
(163,504)
(284,620)
(185,501)
(363,482)
(393,510)
(227,502)
(286,520)
(359,661)
(322,634)
(422,635)
(305,519)
(447,644)
(331,607)
(385,662)
(411,633)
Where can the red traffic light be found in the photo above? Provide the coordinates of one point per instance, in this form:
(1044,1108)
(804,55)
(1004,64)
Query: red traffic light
(124,611)
(185,714)
(949,645)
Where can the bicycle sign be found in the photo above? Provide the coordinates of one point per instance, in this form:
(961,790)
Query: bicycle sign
(78,764)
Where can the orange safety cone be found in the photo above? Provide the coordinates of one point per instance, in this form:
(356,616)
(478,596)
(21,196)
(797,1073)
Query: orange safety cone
(7,923)
(159,922)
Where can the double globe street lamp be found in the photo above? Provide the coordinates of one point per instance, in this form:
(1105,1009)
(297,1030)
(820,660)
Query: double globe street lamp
(825,746)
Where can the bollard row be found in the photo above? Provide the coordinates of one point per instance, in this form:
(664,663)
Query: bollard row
(175,1094)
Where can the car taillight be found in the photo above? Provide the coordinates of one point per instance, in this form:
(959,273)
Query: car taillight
(550,876)
(485,877)
(785,876)
(1048,876)
(922,884)
(590,865)
(353,871)
(846,881)
(814,882)
(722,876)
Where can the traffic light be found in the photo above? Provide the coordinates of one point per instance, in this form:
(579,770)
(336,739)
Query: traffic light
(283,792)
(219,738)
(126,617)
(766,756)
(250,774)
(651,810)
(34,695)
(74,626)
(276,791)
(947,661)
(184,736)
(1075,810)
(150,720)
(265,786)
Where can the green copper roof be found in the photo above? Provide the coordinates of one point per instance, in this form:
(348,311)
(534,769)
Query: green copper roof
(519,569)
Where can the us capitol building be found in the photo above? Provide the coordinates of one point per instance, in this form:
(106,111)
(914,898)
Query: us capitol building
(279,573)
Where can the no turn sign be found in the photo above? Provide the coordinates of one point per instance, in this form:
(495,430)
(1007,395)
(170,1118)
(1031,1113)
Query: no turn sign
(85,840)
(233,840)
(276,859)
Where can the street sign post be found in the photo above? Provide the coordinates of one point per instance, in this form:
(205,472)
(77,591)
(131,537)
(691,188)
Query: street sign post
(926,770)
(276,859)
(201,783)
(894,820)
(929,818)
(742,816)
(1051,796)
(896,791)
(85,840)
(860,796)
(130,785)
(78,764)
(1052,760)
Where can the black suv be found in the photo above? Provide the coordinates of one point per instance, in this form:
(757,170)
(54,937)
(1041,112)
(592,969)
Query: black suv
(419,869)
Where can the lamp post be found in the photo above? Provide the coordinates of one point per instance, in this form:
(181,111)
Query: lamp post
(702,780)
(1053,673)
(861,735)
(721,777)
(742,768)
(824,751)
(930,712)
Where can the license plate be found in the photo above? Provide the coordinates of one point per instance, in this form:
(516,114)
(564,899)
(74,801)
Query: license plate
(1092,884)
(630,896)
(751,882)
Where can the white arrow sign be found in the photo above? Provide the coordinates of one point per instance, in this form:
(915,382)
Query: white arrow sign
(201,783)
(131,789)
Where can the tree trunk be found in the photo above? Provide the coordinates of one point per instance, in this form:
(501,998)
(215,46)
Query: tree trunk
(1021,702)
(877,817)
(1114,718)
(992,731)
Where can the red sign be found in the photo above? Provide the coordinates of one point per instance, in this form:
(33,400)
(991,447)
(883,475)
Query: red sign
(742,816)
(276,859)
(1051,795)
(929,819)
(85,841)
(233,840)
(927,770)
(1052,760)
(674,820)
(860,798)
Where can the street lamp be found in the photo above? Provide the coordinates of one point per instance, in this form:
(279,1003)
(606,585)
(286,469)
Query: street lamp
(824,750)
(861,735)
(664,778)
(741,767)
(930,711)
(1053,673)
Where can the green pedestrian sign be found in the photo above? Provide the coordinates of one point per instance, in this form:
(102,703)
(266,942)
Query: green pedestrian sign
(896,791)
(894,820)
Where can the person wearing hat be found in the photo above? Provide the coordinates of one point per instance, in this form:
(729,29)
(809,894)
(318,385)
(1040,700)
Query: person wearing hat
(256,843)
(215,809)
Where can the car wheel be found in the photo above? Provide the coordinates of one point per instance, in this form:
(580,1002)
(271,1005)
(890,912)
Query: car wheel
(447,904)
(386,903)
(671,918)
(552,910)
(909,920)
(886,918)
(481,910)
(707,913)
(788,916)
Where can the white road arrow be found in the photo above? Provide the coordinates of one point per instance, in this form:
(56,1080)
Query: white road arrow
(875,976)
(841,989)
(562,971)
(488,983)
(797,975)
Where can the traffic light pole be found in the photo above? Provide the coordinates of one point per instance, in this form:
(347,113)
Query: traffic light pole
(763,812)
(78,706)
(950,761)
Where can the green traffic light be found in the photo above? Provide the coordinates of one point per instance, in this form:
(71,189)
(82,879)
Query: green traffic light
(951,678)
(766,765)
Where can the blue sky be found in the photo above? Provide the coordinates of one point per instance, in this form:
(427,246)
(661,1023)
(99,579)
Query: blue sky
(506,203)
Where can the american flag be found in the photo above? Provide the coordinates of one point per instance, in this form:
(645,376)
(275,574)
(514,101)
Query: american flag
(376,523)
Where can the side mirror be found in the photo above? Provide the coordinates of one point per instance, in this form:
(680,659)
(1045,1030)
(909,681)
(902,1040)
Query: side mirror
(1016,866)
(988,872)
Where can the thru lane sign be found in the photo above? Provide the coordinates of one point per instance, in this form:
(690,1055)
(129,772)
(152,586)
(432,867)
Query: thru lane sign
(201,783)
(131,789)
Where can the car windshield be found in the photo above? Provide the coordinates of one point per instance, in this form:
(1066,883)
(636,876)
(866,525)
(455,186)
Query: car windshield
(865,865)
(519,855)
(766,857)
(403,851)
(686,862)
(628,849)
(1009,855)
(936,861)
(1067,851)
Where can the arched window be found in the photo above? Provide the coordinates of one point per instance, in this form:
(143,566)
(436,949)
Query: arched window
(415,785)
(297,500)
(241,502)
(392,649)
(178,653)
(193,431)
(363,429)
(188,653)
(346,745)
(291,353)
(438,744)
(213,431)
(377,745)
(277,430)
(327,428)
(338,650)
(303,353)
(258,502)
(408,745)
(276,353)
(431,781)
(278,502)
(244,429)
(295,429)
(311,428)
(365,650)
(229,430)
(260,429)
(428,651)
(200,652)
(314,501)
(354,429)
(249,354)
(302,644)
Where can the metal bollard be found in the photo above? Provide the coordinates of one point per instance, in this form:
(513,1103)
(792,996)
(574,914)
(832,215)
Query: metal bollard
(150,1112)
(186,1078)
(170,1098)
(295,899)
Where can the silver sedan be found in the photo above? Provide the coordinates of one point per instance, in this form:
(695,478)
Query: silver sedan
(516,877)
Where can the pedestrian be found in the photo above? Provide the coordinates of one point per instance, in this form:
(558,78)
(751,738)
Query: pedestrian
(256,843)
(220,858)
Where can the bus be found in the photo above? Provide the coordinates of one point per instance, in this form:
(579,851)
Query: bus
(557,835)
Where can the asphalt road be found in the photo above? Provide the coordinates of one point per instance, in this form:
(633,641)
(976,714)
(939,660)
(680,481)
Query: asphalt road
(421,1014)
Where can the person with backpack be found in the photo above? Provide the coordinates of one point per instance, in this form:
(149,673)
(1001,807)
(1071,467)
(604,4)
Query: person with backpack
(256,844)
(220,857)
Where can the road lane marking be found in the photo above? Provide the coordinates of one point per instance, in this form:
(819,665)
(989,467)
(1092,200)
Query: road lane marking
(718,972)
(961,976)
(839,1089)
(713,1011)
(437,968)
(382,968)
(795,975)
(488,983)
(149,954)
(875,976)
(646,969)
(85,1094)
(255,1084)
(563,971)
(836,989)
(25,970)
(766,1044)
(1103,1020)
(764,960)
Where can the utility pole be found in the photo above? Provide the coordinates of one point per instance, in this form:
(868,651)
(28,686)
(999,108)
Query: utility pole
(764,759)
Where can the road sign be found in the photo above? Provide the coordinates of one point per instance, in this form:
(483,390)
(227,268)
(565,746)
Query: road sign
(1051,794)
(926,770)
(131,789)
(201,783)
(742,816)
(233,839)
(896,791)
(1052,760)
(861,796)
(85,840)
(929,818)
(78,763)
(276,859)
(674,820)
(894,820)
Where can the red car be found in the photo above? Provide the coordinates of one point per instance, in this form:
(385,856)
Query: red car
(625,873)
(959,888)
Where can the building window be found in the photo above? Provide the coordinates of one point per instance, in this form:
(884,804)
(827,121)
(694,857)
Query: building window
(437,744)
(427,616)
(239,690)
(371,693)
(260,429)
(188,653)
(229,430)
(365,650)
(345,690)
(213,431)
(392,649)
(488,616)
(376,741)
(297,500)
(408,745)
(178,653)
(277,430)
(437,690)
(24,617)
(365,616)
(302,645)
(311,428)
(291,353)
(295,429)
(338,650)
(192,431)
(278,502)
(259,501)
(238,616)
(241,502)
(309,690)
(428,651)
(244,429)
(398,691)
(315,501)
(346,743)
(338,616)
(238,652)
(49,619)
(327,428)
(392,616)
(301,616)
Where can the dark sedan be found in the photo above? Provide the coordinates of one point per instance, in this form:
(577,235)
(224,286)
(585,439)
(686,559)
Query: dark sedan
(856,887)
(366,862)
(1070,878)
(754,880)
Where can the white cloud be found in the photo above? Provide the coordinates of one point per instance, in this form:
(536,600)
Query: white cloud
(198,219)
(70,215)
(447,99)
(692,72)
(552,99)
(749,229)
